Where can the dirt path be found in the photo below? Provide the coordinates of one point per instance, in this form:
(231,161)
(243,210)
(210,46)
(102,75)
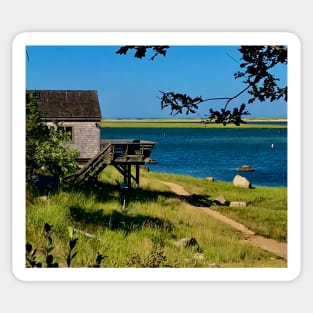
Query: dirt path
(271,245)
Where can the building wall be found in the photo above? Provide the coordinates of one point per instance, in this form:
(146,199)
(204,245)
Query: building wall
(85,138)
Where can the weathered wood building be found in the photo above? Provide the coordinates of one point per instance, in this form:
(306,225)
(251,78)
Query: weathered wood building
(78,111)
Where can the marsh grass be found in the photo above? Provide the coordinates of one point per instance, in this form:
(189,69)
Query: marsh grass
(145,232)
(180,123)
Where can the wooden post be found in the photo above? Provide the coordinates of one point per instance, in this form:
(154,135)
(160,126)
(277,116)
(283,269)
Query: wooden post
(129,177)
(125,175)
(137,174)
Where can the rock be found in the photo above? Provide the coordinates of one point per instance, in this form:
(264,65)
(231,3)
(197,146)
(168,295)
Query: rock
(209,178)
(221,200)
(43,198)
(242,182)
(188,243)
(238,204)
(244,168)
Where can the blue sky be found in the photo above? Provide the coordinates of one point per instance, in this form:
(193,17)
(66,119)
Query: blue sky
(129,88)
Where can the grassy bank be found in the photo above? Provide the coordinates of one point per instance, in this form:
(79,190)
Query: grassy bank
(144,231)
(184,123)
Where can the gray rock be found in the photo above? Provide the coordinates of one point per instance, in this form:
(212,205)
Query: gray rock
(242,182)
(188,243)
(209,178)
(221,200)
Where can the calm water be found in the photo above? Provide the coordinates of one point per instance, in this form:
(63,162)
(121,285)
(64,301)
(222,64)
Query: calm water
(215,152)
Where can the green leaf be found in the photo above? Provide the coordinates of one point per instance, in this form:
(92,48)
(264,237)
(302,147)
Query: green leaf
(68,261)
(29,247)
(70,231)
(49,260)
(47,227)
(73,243)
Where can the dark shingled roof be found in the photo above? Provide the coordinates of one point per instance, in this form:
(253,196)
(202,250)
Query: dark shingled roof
(67,104)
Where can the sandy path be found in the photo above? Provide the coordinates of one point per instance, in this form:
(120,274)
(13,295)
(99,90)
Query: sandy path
(271,245)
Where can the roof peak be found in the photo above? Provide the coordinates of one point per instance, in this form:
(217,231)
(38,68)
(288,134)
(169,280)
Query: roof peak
(67,103)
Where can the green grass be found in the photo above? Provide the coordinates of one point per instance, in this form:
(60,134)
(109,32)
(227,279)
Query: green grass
(145,233)
(266,213)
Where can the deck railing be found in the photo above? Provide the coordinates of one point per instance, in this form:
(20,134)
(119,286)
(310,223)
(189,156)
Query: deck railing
(129,150)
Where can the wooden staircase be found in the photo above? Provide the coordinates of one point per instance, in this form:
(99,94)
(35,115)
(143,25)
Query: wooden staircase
(121,153)
(90,171)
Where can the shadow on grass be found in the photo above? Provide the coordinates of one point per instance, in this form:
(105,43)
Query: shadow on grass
(106,191)
(126,221)
(199,200)
(118,220)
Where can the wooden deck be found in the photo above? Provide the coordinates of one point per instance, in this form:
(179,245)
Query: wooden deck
(122,154)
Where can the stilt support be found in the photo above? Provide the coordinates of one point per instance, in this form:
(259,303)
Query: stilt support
(125,170)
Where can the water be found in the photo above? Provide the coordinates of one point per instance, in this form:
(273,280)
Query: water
(202,152)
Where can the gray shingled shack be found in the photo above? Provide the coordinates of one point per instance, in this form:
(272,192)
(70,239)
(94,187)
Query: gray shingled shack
(78,111)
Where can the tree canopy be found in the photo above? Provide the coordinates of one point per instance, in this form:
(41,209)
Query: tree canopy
(256,72)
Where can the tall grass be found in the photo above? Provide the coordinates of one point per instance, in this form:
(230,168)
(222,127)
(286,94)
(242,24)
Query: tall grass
(266,211)
(146,230)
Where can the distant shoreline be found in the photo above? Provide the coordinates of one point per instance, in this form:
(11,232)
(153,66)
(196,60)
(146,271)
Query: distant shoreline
(188,123)
(186,120)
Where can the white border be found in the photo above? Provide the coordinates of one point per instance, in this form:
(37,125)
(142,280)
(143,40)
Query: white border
(156,38)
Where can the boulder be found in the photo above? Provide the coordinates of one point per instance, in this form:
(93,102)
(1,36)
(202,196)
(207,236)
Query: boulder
(209,178)
(242,182)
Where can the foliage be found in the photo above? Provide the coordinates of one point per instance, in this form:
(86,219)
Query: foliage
(257,64)
(31,254)
(46,150)
(72,244)
(141,51)
(260,83)
(49,258)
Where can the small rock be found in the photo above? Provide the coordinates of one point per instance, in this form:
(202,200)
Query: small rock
(209,178)
(43,198)
(238,204)
(221,200)
(188,242)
